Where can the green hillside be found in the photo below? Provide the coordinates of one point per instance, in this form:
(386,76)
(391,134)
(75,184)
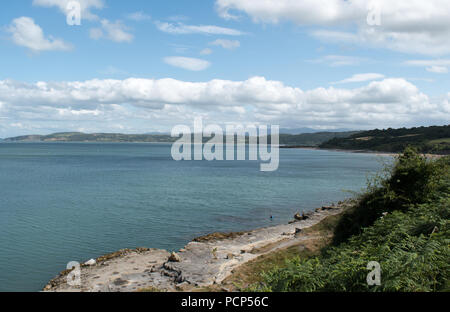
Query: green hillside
(434,139)
(312,139)
(402,222)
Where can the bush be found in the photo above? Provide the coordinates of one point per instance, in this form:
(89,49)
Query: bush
(411,243)
(412,180)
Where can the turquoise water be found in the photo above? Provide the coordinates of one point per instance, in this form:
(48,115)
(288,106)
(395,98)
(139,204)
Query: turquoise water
(65,202)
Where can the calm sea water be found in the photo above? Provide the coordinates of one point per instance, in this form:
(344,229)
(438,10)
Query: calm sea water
(65,202)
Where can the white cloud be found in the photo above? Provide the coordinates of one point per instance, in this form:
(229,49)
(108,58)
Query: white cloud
(139,103)
(438,62)
(437,69)
(361,78)
(439,66)
(446,104)
(139,16)
(411,26)
(183,29)
(86,6)
(116,31)
(25,32)
(226,44)
(327,12)
(339,60)
(188,63)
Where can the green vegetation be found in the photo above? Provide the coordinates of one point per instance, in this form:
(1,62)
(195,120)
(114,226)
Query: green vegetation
(312,139)
(425,139)
(402,222)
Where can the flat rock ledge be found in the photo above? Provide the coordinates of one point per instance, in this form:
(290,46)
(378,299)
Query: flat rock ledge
(203,262)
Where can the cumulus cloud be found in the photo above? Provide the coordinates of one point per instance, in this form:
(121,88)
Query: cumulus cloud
(25,32)
(116,32)
(86,6)
(360,78)
(302,12)
(131,102)
(412,26)
(183,29)
(226,44)
(188,63)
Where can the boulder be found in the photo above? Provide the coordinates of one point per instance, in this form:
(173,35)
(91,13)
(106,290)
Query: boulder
(298,231)
(174,257)
(91,262)
(301,217)
(298,216)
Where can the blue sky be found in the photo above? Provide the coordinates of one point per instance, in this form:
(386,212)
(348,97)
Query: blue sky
(308,64)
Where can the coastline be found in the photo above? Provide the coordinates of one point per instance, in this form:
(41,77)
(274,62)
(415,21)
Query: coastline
(203,262)
(312,148)
(376,153)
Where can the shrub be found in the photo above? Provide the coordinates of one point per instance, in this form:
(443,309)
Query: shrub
(412,180)
(411,243)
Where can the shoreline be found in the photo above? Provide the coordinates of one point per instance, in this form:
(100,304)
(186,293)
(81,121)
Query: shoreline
(203,262)
(376,153)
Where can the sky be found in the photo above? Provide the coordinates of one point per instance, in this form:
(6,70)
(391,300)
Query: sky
(145,66)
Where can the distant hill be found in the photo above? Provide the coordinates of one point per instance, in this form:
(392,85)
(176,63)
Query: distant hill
(94,137)
(295,131)
(435,139)
(312,139)
(305,139)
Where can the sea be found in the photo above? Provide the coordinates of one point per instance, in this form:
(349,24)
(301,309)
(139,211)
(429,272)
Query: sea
(63,202)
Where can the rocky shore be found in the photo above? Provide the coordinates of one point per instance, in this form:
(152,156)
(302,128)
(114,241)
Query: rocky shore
(203,262)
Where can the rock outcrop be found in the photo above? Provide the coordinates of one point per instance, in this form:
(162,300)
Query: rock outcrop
(203,262)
